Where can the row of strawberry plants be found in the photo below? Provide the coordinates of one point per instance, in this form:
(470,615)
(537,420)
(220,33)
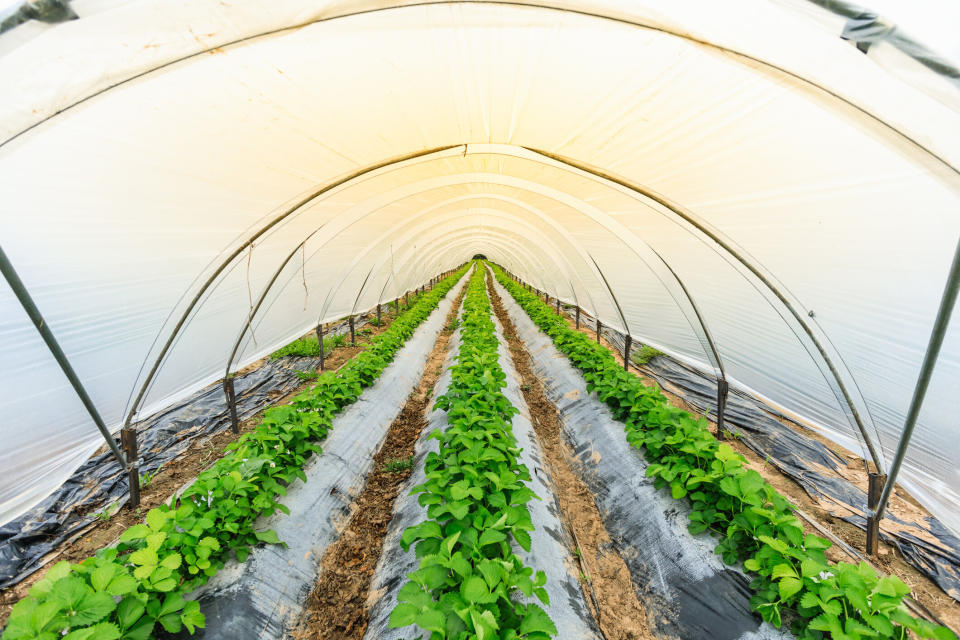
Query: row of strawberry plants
(755,524)
(125,590)
(476,502)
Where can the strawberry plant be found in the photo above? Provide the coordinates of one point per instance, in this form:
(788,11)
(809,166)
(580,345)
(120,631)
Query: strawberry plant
(476,496)
(754,524)
(125,591)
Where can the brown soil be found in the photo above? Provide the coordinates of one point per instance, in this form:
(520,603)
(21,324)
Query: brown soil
(337,607)
(171,477)
(934,603)
(605,576)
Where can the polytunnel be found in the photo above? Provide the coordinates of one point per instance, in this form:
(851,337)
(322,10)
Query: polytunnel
(765,192)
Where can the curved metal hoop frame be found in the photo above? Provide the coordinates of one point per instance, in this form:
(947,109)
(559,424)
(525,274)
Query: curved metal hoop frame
(691,223)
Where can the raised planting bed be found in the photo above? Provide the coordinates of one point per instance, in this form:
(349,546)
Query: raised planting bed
(752,524)
(469,576)
(549,548)
(138,586)
(687,590)
(262,597)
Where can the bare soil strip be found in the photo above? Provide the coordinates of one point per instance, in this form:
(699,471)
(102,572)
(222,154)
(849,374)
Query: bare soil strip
(337,607)
(926,592)
(170,478)
(604,574)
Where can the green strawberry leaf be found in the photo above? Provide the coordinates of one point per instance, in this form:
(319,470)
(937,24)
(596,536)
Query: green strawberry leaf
(536,620)
(403,614)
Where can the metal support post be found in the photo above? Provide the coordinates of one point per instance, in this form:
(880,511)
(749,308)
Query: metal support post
(378,314)
(396,307)
(558,306)
(599,327)
(942,321)
(578,318)
(874,489)
(128,440)
(626,352)
(230,392)
(20,290)
(722,389)
(353,335)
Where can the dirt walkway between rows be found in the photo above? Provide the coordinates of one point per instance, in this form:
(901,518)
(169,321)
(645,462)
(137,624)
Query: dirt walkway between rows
(604,575)
(172,476)
(337,607)
(925,592)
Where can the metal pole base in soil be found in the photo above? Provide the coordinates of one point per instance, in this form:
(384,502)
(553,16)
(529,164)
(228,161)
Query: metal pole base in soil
(128,440)
(231,394)
(722,389)
(874,489)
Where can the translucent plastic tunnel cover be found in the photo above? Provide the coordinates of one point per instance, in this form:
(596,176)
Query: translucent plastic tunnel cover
(164,168)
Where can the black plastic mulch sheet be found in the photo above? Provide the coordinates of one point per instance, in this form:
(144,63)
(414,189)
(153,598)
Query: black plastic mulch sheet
(924,541)
(163,437)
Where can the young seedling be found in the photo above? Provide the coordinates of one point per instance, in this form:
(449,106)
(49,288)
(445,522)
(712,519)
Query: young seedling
(146,478)
(398,465)
(108,512)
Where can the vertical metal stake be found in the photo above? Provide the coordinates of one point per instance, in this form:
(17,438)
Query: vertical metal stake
(353,337)
(578,318)
(396,307)
(626,353)
(231,394)
(874,489)
(599,327)
(722,389)
(558,306)
(378,314)
(128,440)
(406,300)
